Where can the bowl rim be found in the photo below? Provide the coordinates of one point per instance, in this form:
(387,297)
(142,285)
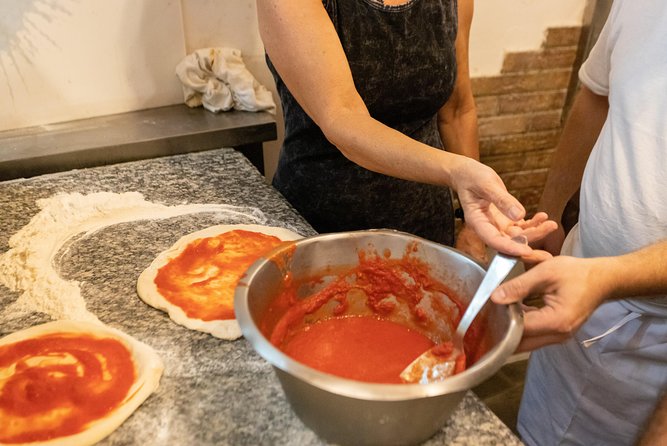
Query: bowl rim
(359,389)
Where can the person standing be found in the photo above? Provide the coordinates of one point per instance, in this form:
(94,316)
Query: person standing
(372,92)
(607,291)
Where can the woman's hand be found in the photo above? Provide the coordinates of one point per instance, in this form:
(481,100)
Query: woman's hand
(545,248)
(470,243)
(552,242)
(571,289)
(494,214)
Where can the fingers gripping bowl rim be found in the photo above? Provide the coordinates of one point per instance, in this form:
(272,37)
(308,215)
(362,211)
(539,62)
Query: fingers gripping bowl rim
(347,411)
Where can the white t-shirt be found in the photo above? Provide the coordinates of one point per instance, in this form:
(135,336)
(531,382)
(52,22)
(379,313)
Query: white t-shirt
(624,188)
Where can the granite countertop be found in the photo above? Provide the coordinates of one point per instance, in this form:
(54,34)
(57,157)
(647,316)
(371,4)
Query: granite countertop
(212,391)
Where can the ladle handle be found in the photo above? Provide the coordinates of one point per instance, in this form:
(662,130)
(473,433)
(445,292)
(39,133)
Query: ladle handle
(500,267)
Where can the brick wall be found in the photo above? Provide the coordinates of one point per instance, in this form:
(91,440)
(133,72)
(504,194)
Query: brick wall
(520,112)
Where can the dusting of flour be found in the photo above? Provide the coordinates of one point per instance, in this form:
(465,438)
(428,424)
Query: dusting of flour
(28,266)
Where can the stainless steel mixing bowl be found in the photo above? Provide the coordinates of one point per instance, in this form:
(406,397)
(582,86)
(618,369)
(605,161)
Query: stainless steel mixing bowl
(344,411)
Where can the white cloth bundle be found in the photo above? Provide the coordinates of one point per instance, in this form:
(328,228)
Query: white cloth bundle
(218,79)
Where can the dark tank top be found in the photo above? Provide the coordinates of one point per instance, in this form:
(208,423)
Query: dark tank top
(403,63)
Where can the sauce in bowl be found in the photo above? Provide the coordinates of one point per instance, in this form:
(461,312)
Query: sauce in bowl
(369,321)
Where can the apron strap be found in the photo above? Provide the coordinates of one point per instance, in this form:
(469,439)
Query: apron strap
(628,317)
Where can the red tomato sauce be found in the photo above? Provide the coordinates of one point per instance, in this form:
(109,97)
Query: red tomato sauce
(202,278)
(55,385)
(362,348)
(316,313)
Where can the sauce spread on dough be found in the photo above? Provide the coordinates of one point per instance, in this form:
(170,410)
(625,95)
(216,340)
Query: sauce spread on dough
(313,319)
(362,348)
(55,385)
(202,278)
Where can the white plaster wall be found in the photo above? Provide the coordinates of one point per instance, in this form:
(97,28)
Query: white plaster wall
(500,26)
(68,59)
(233,23)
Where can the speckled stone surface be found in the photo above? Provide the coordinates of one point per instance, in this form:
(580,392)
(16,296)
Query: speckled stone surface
(212,391)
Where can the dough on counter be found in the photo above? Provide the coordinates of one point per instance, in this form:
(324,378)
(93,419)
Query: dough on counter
(68,382)
(194,280)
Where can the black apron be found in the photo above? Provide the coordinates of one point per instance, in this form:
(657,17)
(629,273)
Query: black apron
(403,62)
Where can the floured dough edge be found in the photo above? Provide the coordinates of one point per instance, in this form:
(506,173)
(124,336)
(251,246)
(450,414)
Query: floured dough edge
(147,290)
(147,363)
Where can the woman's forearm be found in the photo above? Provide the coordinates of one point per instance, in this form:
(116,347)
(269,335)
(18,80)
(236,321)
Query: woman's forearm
(457,119)
(459,133)
(303,45)
(382,149)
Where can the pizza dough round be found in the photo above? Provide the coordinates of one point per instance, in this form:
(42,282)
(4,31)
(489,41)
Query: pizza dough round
(148,291)
(148,367)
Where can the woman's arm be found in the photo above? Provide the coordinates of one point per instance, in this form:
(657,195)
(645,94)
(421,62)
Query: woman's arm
(457,122)
(304,47)
(457,119)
